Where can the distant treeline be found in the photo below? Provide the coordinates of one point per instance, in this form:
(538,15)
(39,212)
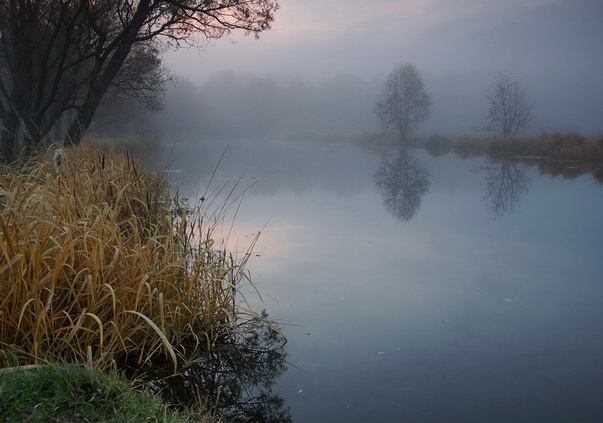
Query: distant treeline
(241,105)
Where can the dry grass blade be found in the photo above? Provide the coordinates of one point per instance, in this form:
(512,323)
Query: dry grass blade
(164,340)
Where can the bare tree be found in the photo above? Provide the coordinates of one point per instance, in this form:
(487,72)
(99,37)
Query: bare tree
(510,110)
(404,104)
(141,78)
(59,57)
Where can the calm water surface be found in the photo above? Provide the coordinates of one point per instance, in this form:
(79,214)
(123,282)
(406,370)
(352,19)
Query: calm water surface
(419,289)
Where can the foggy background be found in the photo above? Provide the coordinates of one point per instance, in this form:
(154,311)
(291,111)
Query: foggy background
(319,71)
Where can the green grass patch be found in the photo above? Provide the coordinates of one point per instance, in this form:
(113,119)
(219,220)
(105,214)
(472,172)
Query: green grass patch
(72,393)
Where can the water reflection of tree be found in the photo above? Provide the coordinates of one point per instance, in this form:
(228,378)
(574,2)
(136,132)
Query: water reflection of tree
(402,180)
(235,378)
(506,182)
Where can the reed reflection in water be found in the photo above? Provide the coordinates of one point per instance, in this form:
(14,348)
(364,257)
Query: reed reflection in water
(234,379)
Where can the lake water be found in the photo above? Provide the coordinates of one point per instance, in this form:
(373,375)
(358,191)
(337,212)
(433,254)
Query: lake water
(415,288)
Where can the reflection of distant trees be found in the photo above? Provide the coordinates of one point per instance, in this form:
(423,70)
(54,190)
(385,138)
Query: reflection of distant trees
(506,182)
(236,377)
(402,180)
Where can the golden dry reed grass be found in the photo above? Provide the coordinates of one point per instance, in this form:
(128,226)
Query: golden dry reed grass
(98,265)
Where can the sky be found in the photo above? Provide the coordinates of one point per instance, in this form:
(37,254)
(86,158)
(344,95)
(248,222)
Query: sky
(554,48)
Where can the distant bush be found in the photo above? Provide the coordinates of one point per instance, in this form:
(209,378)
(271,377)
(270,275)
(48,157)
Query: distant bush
(467,146)
(438,145)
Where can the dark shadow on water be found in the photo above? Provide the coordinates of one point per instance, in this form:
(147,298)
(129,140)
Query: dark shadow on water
(403,181)
(234,379)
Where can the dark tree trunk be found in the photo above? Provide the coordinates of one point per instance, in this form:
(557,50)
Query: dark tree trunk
(9,136)
(95,94)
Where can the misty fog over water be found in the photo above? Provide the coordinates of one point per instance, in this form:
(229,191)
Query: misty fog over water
(417,184)
(551,47)
(457,312)
(410,287)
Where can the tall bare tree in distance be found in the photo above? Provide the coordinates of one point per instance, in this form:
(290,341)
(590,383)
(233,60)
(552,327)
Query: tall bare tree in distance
(404,104)
(58,58)
(510,111)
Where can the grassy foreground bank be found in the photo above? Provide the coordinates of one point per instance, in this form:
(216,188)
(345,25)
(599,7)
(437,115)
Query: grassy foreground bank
(102,265)
(71,393)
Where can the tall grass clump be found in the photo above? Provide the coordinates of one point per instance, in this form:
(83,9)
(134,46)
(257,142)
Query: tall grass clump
(101,263)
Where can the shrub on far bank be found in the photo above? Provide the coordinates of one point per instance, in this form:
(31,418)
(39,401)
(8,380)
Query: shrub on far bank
(467,146)
(438,145)
(549,145)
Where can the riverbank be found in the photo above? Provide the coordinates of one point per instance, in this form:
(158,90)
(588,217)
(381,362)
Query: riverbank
(104,266)
(547,145)
(568,155)
(71,393)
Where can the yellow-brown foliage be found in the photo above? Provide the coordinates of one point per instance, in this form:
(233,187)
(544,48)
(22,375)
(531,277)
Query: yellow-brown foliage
(98,265)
